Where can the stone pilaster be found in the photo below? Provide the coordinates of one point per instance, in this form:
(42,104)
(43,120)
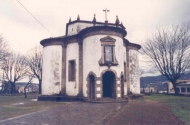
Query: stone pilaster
(63,81)
(99,89)
(80,68)
(118,88)
(127,71)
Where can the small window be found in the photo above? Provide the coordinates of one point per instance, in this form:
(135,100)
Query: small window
(188,90)
(108,54)
(183,89)
(72,70)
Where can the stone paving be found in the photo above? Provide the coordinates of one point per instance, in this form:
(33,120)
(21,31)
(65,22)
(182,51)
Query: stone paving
(144,113)
(73,113)
(83,113)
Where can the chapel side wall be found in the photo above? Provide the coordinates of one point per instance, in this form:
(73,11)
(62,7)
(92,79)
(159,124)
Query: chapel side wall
(92,52)
(134,71)
(51,74)
(72,54)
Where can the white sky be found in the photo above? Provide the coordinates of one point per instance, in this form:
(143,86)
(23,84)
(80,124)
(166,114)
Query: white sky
(140,17)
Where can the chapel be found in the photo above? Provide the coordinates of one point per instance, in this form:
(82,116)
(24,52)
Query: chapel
(91,62)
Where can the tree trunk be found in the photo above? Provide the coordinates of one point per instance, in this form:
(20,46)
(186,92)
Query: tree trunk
(13,87)
(143,88)
(40,86)
(25,96)
(175,88)
(167,86)
(1,90)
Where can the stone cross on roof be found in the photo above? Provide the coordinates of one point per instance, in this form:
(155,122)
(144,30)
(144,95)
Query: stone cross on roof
(106,13)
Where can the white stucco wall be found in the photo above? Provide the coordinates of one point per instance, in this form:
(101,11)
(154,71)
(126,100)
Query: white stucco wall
(72,54)
(124,61)
(78,26)
(134,71)
(51,75)
(72,28)
(92,54)
(124,54)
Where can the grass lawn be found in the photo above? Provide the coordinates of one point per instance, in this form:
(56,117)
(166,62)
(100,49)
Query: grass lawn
(179,105)
(15,105)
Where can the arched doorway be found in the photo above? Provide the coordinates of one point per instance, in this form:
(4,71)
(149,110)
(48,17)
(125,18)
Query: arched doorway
(92,86)
(122,86)
(108,84)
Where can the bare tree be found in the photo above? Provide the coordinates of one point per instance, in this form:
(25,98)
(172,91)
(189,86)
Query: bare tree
(14,69)
(30,78)
(169,50)
(4,47)
(34,60)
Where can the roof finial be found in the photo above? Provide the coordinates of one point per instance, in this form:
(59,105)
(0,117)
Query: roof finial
(70,20)
(94,19)
(122,25)
(117,21)
(78,18)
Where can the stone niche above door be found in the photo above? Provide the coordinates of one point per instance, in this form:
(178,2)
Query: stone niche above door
(108,52)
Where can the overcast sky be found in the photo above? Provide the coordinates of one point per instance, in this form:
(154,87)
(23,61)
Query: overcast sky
(140,17)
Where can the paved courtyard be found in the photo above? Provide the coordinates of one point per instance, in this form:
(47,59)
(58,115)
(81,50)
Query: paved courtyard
(82,113)
(73,113)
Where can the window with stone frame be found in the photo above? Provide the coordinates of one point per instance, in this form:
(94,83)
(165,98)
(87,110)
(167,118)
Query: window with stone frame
(72,70)
(183,89)
(108,54)
(108,51)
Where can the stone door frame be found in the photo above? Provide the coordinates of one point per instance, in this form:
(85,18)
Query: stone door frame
(88,91)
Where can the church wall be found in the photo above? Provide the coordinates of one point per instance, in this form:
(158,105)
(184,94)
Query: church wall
(124,54)
(119,54)
(78,26)
(92,54)
(72,54)
(134,71)
(125,61)
(72,28)
(51,76)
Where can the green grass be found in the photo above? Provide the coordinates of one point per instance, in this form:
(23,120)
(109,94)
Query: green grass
(179,105)
(15,105)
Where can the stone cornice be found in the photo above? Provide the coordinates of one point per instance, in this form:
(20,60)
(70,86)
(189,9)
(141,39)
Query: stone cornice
(99,30)
(130,45)
(59,41)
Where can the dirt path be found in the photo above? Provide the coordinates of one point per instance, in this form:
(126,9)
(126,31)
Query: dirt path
(144,113)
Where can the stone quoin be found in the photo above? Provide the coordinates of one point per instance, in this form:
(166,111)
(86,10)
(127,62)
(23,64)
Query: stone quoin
(91,62)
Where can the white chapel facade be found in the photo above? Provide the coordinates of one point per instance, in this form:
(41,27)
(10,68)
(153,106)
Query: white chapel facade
(92,61)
